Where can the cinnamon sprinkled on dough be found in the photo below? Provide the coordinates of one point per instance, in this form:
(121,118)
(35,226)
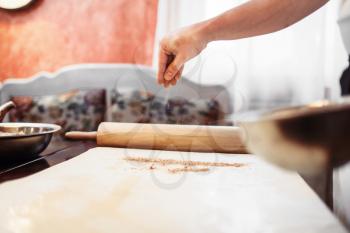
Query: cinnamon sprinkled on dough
(188,169)
(184,162)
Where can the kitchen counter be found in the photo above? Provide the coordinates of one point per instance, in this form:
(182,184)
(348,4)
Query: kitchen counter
(57,152)
(101,191)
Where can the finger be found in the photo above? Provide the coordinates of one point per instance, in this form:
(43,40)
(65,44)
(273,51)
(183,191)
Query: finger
(165,59)
(170,59)
(176,78)
(178,75)
(166,84)
(173,82)
(162,65)
(174,67)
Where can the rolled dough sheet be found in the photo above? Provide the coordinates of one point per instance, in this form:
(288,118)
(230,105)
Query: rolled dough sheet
(99,191)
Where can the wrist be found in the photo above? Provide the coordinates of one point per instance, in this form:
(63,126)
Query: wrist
(204,33)
(201,34)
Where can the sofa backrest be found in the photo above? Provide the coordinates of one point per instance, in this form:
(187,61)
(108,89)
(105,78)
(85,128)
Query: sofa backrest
(120,77)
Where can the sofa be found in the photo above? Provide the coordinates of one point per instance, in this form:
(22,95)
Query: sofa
(80,97)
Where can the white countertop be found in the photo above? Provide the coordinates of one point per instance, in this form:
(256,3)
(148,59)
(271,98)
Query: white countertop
(99,191)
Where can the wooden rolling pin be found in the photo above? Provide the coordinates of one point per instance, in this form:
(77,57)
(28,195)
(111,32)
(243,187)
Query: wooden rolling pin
(222,139)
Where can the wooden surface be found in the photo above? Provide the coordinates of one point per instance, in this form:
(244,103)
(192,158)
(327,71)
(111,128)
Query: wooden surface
(101,192)
(196,138)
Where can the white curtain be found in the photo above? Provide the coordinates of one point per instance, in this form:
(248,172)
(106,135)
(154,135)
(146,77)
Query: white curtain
(292,66)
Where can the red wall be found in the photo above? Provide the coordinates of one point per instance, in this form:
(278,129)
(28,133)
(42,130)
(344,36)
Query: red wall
(55,33)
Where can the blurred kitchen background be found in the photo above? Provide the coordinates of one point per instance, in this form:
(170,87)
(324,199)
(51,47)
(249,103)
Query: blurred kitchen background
(296,65)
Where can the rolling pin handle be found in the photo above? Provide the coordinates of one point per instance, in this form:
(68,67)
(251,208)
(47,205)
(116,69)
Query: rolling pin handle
(77,135)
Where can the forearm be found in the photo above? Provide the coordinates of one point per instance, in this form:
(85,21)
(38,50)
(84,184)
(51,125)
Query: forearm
(256,17)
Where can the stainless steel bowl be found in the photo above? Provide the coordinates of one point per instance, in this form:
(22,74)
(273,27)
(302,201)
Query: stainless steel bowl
(24,140)
(307,138)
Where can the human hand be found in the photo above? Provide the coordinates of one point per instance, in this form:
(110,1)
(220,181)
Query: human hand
(175,50)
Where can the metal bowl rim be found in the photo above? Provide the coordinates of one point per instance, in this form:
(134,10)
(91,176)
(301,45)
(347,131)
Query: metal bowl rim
(292,111)
(53,129)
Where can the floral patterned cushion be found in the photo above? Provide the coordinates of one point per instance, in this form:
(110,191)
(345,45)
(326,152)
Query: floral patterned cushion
(183,111)
(145,107)
(132,107)
(74,110)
